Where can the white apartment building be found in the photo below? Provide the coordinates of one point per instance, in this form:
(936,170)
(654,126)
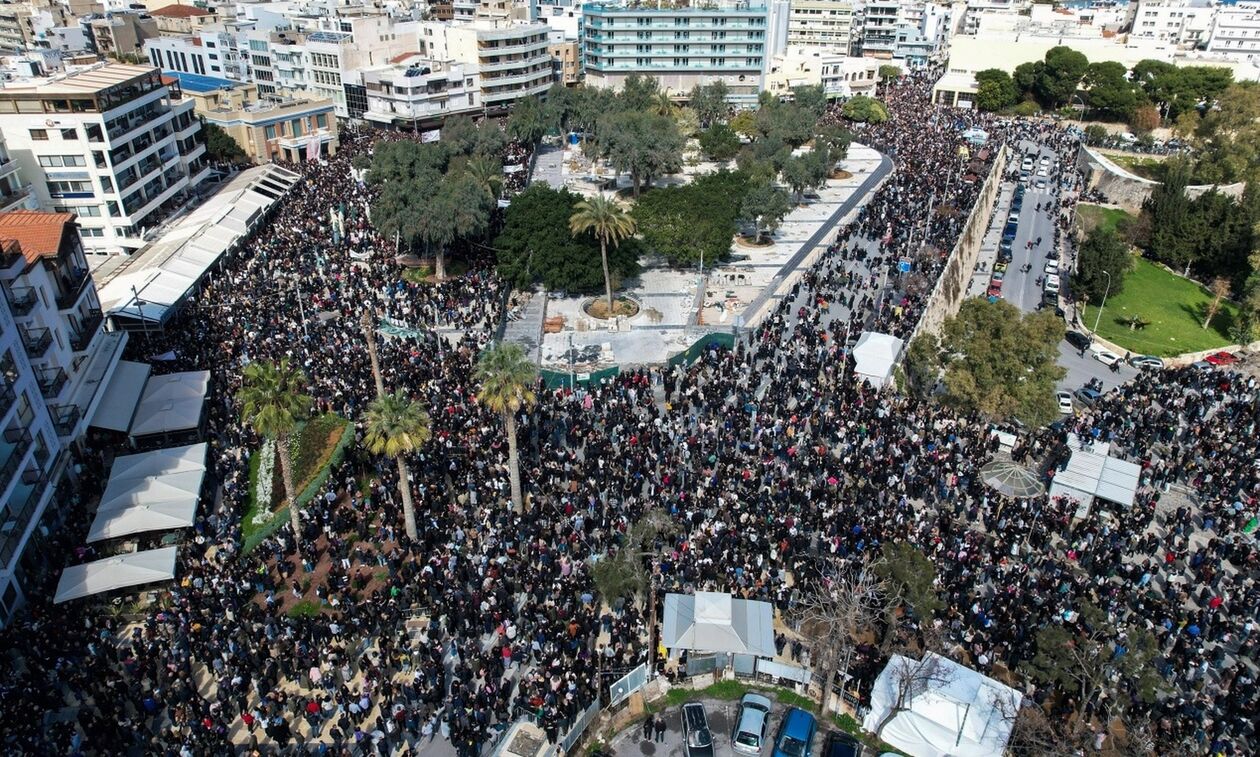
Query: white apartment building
(418,92)
(56,360)
(108,144)
(822,24)
(1236,31)
(211,52)
(1185,23)
(15,194)
(511,58)
(839,74)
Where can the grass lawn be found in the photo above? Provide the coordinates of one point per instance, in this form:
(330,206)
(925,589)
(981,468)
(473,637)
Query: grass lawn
(1174,308)
(1138,165)
(311,450)
(1090,217)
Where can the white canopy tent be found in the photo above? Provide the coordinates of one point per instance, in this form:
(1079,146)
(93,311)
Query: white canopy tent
(151,491)
(874,356)
(1090,474)
(171,403)
(122,394)
(952,712)
(710,621)
(116,573)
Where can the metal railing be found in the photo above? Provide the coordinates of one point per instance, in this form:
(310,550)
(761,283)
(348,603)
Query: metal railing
(22,300)
(7,397)
(80,339)
(52,381)
(18,517)
(20,439)
(73,285)
(36,342)
(65,418)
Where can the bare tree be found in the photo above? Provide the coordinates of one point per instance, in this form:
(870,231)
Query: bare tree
(834,613)
(1032,733)
(1220,289)
(910,678)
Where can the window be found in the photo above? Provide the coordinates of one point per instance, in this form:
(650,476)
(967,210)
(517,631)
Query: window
(107,184)
(39,135)
(69,134)
(70,188)
(60,161)
(322,121)
(112,207)
(89,232)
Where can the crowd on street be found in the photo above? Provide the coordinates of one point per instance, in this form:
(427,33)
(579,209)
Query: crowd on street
(766,458)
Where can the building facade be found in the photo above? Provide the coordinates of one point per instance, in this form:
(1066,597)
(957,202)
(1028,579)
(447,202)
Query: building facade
(269,129)
(823,24)
(510,58)
(1185,23)
(55,361)
(417,92)
(109,144)
(681,47)
(1236,31)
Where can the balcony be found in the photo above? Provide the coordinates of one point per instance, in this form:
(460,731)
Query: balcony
(65,418)
(7,398)
(22,300)
(12,198)
(51,382)
(81,339)
(12,449)
(72,287)
(20,512)
(36,342)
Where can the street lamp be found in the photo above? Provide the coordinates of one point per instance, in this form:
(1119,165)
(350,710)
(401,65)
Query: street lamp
(1102,304)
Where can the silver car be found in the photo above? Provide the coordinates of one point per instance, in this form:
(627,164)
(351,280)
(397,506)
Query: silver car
(751,724)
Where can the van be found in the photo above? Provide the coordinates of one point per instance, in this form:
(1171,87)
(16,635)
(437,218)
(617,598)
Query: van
(750,725)
(796,734)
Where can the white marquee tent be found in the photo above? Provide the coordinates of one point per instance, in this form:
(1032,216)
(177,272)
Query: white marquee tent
(115,573)
(151,491)
(122,394)
(874,357)
(171,403)
(710,621)
(953,712)
(1091,474)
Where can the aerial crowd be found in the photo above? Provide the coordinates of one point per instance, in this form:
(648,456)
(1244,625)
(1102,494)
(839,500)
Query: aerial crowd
(766,458)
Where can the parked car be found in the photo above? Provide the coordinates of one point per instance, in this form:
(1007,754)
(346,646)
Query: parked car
(1052,268)
(840,744)
(1042,171)
(1065,402)
(1146,361)
(1106,357)
(1052,285)
(995,291)
(999,266)
(1027,164)
(750,725)
(1040,184)
(1013,217)
(696,735)
(1088,396)
(1045,160)
(1222,358)
(796,734)
(999,275)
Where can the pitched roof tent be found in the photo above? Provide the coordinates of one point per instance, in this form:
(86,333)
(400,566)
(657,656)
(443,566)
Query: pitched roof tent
(710,621)
(115,573)
(151,491)
(39,233)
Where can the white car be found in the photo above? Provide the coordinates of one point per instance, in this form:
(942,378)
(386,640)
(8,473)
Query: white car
(1106,357)
(1052,268)
(1041,184)
(1045,160)
(1027,164)
(1042,171)
(1065,402)
(1012,217)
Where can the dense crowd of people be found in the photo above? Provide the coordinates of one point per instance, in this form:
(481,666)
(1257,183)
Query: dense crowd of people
(766,458)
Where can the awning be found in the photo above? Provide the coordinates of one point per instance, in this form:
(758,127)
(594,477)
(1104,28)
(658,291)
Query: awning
(116,573)
(171,403)
(122,394)
(1011,479)
(714,622)
(874,357)
(152,491)
(1089,474)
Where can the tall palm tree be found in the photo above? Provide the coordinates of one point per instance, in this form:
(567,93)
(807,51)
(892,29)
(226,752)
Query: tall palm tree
(507,384)
(609,223)
(396,425)
(273,402)
(662,104)
(487,173)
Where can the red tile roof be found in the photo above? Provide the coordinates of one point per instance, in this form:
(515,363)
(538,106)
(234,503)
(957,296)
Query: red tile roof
(180,11)
(402,57)
(39,233)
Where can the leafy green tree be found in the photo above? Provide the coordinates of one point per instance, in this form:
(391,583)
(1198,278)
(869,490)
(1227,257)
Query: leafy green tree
(687,121)
(1108,89)
(719,142)
(695,222)
(764,208)
(1060,76)
(487,173)
(639,92)
(1095,133)
(1026,75)
(709,102)
(490,141)
(1101,251)
(642,144)
(923,364)
(536,246)
(799,175)
(995,90)
(786,123)
(397,426)
(864,109)
(460,133)
(507,379)
(274,402)
(888,72)
(745,123)
(1096,658)
(909,576)
(220,146)
(1000,364)
(835,139)
(1167,213)
(1176,90)
(528,122)
(811,97)
(608,222)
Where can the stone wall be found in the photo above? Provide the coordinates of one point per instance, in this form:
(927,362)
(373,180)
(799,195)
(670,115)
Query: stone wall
(1129,191)
(951,287)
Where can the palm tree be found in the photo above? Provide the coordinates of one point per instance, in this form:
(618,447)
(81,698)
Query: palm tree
(396,426)
(507,384)
(610,223)
(662,104)
(487,173)
(273,402)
